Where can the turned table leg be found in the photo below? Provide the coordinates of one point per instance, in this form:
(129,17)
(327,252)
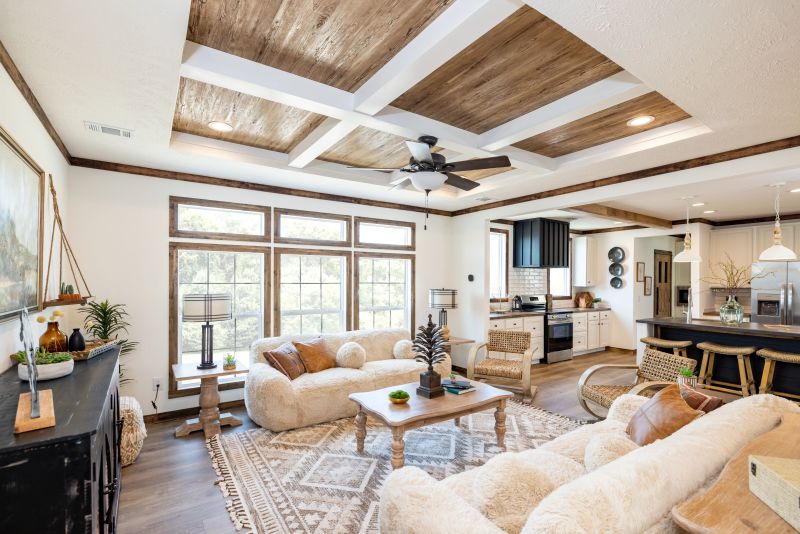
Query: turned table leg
(500,423)
(361,430)
(209,406)
(398,446)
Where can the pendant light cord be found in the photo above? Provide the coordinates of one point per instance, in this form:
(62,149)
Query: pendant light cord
(777,205)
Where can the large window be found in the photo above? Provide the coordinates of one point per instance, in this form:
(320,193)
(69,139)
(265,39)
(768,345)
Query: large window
(559,282)
(195,218)
(311,291)
(237,271)
(384,291)
(377,233)
(498,264)
(311,228)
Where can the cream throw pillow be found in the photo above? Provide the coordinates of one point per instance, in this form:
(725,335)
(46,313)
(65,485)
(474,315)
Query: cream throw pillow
(403,350)
(351,355)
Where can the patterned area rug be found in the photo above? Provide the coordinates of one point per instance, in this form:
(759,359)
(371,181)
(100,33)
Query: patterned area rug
(313,480)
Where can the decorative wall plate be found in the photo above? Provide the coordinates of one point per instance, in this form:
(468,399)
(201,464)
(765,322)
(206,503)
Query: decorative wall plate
(616,269)
(616,254)
(616,282)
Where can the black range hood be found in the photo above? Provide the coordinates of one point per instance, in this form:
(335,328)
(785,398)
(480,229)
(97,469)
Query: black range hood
(540,243)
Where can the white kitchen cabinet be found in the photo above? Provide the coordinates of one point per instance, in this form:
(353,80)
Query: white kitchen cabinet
(593,333)
(604,332)
(497,324)
(579,322)
(734,242)
(579,342)
(532,324)
(584,253)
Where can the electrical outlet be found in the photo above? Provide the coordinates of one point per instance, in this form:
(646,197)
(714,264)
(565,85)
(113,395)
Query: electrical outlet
(156,383)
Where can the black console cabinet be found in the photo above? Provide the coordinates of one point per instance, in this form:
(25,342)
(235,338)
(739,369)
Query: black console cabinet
(64,478)
(541,243)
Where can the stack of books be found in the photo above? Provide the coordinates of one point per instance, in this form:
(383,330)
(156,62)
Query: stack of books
(458,387)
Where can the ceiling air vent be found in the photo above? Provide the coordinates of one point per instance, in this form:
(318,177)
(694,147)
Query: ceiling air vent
(483,199)
(116,131)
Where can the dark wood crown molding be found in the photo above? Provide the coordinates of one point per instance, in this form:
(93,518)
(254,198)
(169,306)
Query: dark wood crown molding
(27,94)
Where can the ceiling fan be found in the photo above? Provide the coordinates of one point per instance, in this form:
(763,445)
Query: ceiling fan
(428,171)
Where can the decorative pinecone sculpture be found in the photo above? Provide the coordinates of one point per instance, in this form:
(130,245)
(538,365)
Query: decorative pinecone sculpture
(429,344)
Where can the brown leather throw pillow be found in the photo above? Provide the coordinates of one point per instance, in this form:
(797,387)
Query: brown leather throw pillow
(287,360)
(316,355)
(662,415)
(700,401)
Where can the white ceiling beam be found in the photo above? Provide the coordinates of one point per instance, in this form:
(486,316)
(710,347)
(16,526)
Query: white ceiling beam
(601,95)
(447,35)
(323,137)
(218,68)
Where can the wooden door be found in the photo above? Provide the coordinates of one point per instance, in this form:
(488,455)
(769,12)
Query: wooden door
(662,284)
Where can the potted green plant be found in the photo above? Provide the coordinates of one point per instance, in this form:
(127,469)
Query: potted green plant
(687,377)
(105,321)
(597,303)
(229,362)
(399,396)
(429,348)
(49,365)
(67,292)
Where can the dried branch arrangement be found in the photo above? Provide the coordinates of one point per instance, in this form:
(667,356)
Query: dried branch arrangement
(730,276)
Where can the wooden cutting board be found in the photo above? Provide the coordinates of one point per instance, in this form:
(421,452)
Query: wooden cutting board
(728,506)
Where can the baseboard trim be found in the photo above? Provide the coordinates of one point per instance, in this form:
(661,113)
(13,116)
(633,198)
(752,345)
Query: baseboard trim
(187,412)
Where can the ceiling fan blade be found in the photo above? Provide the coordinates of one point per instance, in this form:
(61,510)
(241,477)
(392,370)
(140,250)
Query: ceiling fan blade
(398,176)
(420,151)
(371,169)
(477,164)
(404,183)
(460,182)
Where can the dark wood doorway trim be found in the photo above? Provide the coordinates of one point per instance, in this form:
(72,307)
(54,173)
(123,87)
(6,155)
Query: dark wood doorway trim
(657,275)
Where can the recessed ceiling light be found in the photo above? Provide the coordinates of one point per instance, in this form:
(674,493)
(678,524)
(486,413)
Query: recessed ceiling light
(618,222)
(220,126)
(710,211)
(698,204)
(641,120)
(797,190)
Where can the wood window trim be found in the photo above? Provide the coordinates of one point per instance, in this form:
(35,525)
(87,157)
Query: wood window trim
(412,257)
(279,252)
(507,233)
(384,222)
(347,219)
(174,391)
(174,231)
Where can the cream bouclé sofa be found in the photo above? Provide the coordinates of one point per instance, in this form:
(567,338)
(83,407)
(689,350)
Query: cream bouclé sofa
(277,403)
(555,489)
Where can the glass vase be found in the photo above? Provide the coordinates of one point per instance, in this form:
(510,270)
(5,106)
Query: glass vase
(53,339)
(731,313)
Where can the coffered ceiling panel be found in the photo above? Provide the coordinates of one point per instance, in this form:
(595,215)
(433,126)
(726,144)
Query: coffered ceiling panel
(523,63)
(256,122)
(335,42)
(604,126)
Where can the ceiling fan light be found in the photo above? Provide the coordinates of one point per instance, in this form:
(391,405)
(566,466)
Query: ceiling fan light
(427,180)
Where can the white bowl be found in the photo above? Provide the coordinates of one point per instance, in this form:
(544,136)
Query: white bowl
(47,372)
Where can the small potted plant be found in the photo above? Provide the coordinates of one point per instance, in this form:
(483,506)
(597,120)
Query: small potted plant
(49,365)
(687,377)
(399,396)
(229,362)
(596,303)
(67,292)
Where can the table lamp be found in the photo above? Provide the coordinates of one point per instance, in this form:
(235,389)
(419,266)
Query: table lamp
(207,308)
(443,300)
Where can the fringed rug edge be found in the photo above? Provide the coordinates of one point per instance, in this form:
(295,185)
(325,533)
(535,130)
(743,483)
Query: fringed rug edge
(227,485)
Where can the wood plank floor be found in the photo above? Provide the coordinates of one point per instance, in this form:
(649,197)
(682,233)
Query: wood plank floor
(170,488)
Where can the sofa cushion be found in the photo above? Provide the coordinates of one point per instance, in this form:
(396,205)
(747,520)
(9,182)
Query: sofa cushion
(404,350)
(385,373)
(287,360)
(662,415)
(607,447)
(700,401)
(351,355)
(316,355)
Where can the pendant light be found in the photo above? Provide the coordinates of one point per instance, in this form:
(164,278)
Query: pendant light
(688,255)
(777,252)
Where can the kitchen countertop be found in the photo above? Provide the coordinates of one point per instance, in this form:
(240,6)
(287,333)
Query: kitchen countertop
(744,329)
(512,314)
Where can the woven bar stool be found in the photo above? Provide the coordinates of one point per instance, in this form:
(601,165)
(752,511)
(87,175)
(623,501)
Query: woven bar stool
(771,357)
(678,348)
(746,385)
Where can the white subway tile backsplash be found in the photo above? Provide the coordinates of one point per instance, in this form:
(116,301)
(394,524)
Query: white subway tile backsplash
(527,281)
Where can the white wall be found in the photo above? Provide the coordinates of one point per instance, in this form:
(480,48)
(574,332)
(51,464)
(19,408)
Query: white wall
(120,224)
(17,118)
(644,249)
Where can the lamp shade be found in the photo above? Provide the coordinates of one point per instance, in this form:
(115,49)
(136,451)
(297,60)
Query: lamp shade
(427,180)
(442,299)
(687,255)
(207,308)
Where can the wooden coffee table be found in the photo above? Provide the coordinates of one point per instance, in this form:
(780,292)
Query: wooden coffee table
(420,411)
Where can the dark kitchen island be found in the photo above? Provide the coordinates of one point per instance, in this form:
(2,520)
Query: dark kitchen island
(778,337)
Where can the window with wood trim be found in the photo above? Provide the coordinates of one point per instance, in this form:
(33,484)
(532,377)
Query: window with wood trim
(498,264)
(210,219)
(383,234)
(559,280)
(239,271)
(384,291)
(312,228)
(312,294)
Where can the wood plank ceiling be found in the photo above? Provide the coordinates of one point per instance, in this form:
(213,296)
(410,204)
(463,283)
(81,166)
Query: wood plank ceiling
(335,42)
(520,65)
(604,126)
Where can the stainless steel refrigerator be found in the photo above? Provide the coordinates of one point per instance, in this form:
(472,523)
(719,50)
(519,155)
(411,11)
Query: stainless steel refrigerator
(774,295)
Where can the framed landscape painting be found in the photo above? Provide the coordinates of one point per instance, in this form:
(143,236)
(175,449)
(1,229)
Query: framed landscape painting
(21,222)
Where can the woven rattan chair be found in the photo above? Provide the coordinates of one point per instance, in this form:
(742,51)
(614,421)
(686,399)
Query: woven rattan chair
(657,370)
(506,370)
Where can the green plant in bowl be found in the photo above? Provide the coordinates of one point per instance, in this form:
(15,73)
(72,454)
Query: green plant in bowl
(399,396)
(44,358)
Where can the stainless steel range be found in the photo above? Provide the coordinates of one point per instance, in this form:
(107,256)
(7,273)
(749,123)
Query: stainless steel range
(558,342)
